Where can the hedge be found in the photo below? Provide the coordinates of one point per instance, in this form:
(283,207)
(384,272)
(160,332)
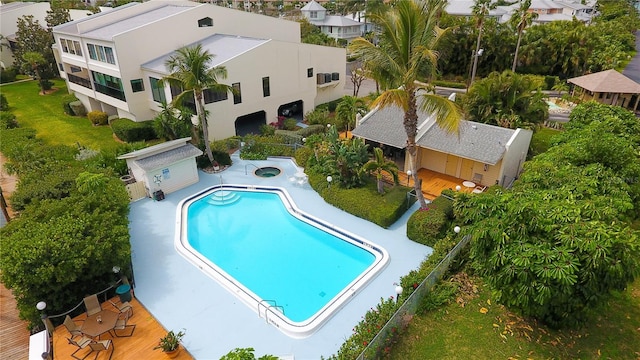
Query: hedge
(426,226)
(98,117)
(131,131)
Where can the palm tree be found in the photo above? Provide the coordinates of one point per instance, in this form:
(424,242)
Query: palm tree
(378,165)
(348,110)
(522,18)
(480,11)
(35,59)
(191,69)
(409,35)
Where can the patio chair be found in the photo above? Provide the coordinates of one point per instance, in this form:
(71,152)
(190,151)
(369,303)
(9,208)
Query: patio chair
(80,344)
(102,345)
(124,307)
(121,324)
(92,304)
(478,189)
(477,178)
(72,327)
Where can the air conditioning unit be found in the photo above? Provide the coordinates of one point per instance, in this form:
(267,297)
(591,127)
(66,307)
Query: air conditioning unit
(335,76)
(320,78)
(327,78)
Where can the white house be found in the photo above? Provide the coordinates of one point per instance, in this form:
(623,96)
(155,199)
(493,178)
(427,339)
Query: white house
(547,10)
(9,15)
(337,27)
(113,62)
(485,153)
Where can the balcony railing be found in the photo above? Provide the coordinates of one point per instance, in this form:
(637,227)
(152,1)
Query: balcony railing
(80,81)
(115,93)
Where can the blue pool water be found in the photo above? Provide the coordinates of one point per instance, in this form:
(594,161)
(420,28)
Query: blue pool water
(252,237)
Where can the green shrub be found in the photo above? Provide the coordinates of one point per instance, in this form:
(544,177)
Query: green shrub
(289,137)
(303,155)
(311,129)
(7,120)
(77,108)
(4,104)
(261,147)
(267,130)
(98,117)
(66,100)
(319,115)
(550,82)
(450,84)
(444,204)
(8,75)
(290,124)
(425,225)
(130,131)
(226,145)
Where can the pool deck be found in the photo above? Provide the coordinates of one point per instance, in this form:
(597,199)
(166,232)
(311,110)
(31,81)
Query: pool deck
(180,296)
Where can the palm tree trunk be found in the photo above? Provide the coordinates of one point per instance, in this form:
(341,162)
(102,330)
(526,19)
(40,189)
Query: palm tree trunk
(475,56)
(202,115)
(411,128)
(515,56)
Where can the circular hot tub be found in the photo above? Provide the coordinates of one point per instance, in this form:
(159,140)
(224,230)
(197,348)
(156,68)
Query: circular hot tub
(267,172)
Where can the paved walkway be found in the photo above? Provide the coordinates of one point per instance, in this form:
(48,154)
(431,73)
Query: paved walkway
(632,71)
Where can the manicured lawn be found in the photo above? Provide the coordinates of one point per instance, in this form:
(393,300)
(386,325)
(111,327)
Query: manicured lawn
(456,332)
(45,114)
(541,140)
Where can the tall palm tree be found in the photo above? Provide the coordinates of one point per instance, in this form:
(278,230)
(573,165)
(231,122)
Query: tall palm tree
(348,110)
(379,165)
(35,59)
(191,69)
(409,34)
(522,18)
(480,10)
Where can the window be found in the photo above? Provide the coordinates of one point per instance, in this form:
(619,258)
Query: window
(237,94)
(76,45)
(310,72)
(211,96)
(75,69)
(265,87)
(101,53)
(108,85)
(313,14)
(205,22)
(63,43)
(71,47)
(137,85)
(157,91)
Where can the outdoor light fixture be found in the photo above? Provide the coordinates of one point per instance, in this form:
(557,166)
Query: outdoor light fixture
(458,187)
(115,269)
(328,126)
(456,229)
(409,173)
(41,305)
(329,180)
(398,292)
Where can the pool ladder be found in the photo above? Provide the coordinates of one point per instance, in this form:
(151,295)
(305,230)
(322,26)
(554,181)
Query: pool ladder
(269,306)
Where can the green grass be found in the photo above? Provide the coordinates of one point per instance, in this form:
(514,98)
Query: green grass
(456,332)
(45,114)
(541,140)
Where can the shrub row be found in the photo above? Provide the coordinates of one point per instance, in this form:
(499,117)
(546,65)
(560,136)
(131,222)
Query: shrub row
(131,131)
(426,226)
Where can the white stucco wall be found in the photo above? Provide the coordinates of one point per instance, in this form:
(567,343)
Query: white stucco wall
(9,15)
(515,156)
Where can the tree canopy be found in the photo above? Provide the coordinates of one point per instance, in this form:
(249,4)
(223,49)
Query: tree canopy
(556,244)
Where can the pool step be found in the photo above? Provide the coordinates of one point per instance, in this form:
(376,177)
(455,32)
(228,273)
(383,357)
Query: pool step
(223,198)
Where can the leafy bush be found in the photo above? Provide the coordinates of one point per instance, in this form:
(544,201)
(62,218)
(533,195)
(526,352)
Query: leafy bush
(550,82)
(131,131)
(77,108)
(98,117)
(8,75)
(449,84)
(311,129)
(444,204)
(267,130)
(290,124)
(226,145)
(425,225)
(261,147)
(4,104)
(66,100)
(289,137)
(7,120)
(302,155)
(319,115)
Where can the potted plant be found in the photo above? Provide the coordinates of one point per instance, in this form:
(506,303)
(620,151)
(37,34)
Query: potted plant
(170,343)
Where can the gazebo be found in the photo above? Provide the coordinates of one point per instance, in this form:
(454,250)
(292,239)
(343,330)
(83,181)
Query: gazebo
(608,87)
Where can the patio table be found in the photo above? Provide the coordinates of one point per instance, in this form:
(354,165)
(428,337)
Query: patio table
(469,184)
(94,328)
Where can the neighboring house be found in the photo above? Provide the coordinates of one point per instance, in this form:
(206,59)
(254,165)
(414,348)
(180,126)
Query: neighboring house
(337,27)
(608,87)
(486,154)
(166,167)
(113,62)
(547,10)
(9,15)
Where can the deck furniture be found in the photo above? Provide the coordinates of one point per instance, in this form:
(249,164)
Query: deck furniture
(121,324)
(72,327)
(102,345)
(124,307)
(99,323)
(80,344)
(92,304)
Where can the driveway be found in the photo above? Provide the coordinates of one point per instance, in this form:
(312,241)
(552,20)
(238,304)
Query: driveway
(632,71)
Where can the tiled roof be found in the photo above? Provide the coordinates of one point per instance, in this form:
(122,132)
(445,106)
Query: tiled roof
(609,81)
(475,141)
(313,6)
(166,158)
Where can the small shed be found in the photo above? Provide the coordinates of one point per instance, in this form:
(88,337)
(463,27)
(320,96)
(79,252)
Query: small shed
(165,167)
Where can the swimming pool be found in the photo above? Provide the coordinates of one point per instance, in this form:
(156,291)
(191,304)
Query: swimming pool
(553,106)
(292,269)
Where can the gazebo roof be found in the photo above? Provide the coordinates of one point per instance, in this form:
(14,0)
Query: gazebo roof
(609,81)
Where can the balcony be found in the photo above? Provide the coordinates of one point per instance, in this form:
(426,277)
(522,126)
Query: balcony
(114,93)
(80,81)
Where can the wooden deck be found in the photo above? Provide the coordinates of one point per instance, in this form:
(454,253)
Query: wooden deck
(433,183)
(14,335)
(139,346)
